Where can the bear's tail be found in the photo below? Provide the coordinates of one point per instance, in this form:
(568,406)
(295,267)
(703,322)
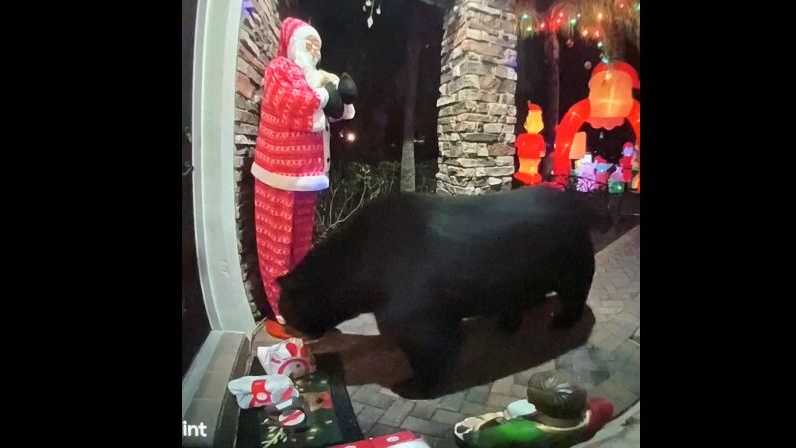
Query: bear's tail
(601,220)
(593,215)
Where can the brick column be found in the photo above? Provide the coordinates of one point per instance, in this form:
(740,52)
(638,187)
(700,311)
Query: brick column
(476,105)
(258,41)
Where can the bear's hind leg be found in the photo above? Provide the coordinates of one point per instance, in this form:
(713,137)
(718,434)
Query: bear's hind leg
(573,300)
(511,320)
(432,348)
(573,289)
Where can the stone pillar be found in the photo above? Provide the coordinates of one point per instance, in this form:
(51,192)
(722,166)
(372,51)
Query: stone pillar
(478,81)
(258,41)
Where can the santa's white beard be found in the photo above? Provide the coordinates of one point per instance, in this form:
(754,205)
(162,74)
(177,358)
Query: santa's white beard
(308,64)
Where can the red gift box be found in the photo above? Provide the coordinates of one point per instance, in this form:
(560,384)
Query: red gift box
(399,440)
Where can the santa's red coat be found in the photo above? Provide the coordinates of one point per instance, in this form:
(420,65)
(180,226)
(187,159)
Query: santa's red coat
(289,154)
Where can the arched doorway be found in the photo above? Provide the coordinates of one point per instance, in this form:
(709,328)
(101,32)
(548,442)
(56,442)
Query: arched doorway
(213,136)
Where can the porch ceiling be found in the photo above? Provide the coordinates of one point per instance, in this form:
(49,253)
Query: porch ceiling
(444,4)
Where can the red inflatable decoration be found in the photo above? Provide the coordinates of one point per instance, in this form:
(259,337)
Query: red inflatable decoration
(530,147)
(610,102)
(626,162)
(530,150)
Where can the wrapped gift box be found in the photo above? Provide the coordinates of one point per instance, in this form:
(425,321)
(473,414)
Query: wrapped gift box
(399,440)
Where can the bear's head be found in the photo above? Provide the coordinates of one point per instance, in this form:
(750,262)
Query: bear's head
(300,305)
(312,303)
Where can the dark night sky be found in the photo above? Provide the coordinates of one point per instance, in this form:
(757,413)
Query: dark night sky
(375,58)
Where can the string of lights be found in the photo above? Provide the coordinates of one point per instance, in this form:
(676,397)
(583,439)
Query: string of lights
(590,20)
(375,6)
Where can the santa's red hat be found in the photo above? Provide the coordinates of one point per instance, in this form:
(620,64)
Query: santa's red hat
(620,66)
(293,28)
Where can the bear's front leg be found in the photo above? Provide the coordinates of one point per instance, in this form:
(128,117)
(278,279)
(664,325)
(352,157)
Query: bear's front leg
(432,345)
(511,320)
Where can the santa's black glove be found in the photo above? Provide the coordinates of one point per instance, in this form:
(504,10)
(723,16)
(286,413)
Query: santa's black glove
(334,107)
(347,89)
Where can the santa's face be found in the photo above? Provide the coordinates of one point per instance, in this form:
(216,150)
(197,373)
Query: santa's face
(313,47)
(308,53)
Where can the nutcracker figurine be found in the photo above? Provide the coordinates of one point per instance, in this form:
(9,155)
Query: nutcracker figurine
(628,153)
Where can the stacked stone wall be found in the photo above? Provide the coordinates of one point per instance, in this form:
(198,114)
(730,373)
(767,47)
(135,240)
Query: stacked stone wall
(258,41)
(477,112)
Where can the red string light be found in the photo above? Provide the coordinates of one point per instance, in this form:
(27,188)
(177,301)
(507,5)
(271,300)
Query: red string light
(555,26)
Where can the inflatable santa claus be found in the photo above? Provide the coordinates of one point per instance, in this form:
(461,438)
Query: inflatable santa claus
(291,162)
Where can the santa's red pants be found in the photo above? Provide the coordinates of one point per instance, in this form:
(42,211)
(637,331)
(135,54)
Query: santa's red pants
(284,222)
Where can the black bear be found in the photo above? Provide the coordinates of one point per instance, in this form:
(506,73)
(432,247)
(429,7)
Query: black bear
(422,263)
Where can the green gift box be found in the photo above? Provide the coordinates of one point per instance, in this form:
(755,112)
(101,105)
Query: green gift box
(616,187)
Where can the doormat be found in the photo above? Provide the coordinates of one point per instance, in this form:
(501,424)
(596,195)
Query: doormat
(330,421)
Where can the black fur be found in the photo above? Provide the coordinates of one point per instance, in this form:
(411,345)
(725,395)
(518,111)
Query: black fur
(422,263)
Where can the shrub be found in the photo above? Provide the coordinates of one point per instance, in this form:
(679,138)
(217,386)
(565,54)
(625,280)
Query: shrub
(354,184)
